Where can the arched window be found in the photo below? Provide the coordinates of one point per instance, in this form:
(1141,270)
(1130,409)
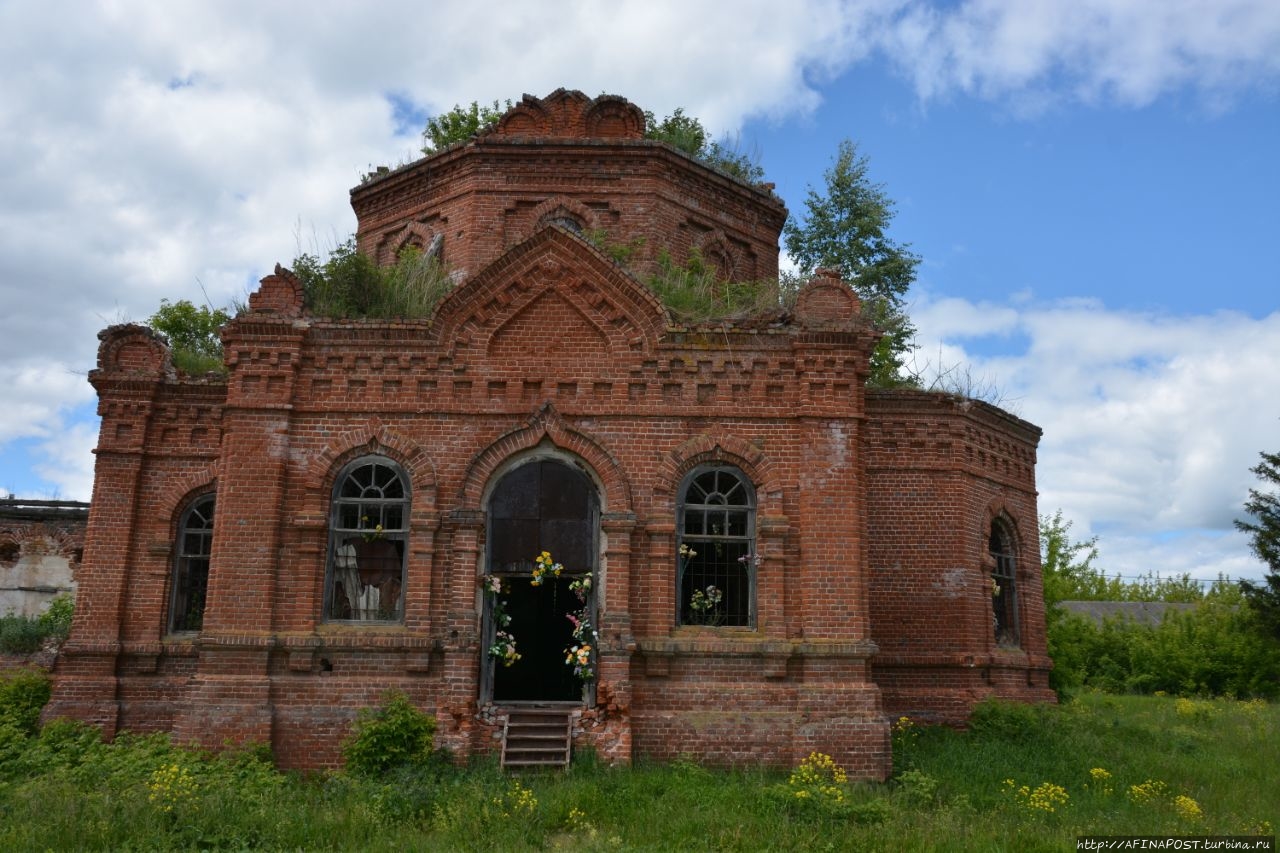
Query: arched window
(368,532)
(1004,593)
(191,566)
(716,548)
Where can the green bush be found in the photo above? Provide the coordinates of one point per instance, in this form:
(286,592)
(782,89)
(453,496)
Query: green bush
(20,635)
(1214,649)
(23,693)
(192,334)
(55,621)
(23,635)
(396,734)
(1011,722)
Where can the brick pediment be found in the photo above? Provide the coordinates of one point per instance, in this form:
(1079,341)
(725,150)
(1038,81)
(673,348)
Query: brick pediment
(554,299)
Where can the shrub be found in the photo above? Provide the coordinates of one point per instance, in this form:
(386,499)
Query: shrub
(1011,722)
(56,619)
(393,735)
(192,334)
(20,635)
(1215,648)
(23,635)
(22,694)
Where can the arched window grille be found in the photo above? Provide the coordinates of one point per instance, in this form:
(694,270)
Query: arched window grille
(716,548)
(191,566)
(368,535)
(1004,592)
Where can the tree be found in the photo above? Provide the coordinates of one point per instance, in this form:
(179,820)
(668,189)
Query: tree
(687,134)
(192,333)
(460,124)
(844,229)
(1264,506)
(678,130)
(1067,566)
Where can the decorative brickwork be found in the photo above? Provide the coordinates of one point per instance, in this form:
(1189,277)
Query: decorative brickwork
(871,513)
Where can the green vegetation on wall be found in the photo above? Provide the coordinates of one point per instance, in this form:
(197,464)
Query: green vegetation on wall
(192,333)
(348,284)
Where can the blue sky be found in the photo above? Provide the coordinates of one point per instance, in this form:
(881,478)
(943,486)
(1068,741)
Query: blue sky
(1092,185)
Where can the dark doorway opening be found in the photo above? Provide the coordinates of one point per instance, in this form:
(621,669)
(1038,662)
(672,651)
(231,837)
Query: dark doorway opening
(544,505)
(543,633)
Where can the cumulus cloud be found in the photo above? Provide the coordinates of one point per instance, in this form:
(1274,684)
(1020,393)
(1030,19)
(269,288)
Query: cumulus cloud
(180,150)
(1151,422)
(1129,52)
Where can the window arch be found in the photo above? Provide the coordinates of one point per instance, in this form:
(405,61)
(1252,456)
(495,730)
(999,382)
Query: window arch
(368,534)
(191,566)
(564,220)
(716,547)
(1004,592)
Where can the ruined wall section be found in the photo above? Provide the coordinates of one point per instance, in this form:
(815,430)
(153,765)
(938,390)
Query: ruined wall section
(939,469)
(41,546)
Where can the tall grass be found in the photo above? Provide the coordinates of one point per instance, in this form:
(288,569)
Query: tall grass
(695,292)
(982,790)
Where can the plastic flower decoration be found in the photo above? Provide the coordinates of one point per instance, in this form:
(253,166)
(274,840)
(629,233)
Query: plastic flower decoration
(504,648)
(367,533)
(543,566)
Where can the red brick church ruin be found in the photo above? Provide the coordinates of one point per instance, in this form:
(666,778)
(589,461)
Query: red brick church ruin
(781,560)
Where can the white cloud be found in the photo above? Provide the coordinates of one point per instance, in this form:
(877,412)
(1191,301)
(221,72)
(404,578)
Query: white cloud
(147,151)
(37,394)
(67,461)
(1151,422)
(1129,52)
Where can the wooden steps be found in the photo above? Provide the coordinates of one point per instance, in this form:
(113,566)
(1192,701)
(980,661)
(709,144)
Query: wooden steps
(536,737)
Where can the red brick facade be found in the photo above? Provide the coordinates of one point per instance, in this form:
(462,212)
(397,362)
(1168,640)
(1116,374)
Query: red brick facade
(862,586)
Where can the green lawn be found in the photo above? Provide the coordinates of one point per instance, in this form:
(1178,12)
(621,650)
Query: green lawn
(1172,766)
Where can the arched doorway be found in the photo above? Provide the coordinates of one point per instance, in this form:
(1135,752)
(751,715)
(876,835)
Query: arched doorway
(549,505)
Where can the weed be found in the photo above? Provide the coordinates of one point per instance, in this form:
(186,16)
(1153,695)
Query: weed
(917,788)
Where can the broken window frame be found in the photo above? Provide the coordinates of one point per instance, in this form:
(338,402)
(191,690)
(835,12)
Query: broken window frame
(724,554)
(1004,591)
(369,491)
(192,551)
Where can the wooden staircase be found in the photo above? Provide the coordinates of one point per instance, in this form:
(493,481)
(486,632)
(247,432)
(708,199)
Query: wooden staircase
(536,737)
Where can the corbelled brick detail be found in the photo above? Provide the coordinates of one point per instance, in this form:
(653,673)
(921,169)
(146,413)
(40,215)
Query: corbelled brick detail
(871,518)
